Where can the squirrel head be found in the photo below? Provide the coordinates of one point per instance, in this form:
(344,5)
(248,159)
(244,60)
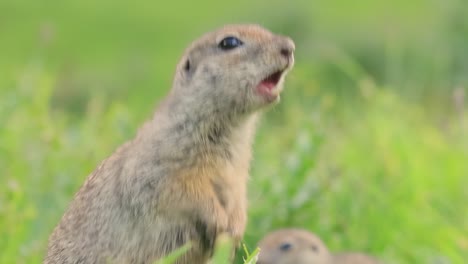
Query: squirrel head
(237,69)
(288,246)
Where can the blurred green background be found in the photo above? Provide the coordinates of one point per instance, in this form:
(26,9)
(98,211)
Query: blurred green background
(368,148)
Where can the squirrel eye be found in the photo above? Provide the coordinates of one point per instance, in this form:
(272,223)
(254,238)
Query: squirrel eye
(285,246)
(314,248)
(230,43)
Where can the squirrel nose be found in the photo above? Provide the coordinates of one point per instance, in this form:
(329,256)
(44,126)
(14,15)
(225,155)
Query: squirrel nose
(286,52)
(287,47)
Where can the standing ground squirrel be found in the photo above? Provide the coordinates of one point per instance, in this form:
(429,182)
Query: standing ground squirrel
(183,177)
(298,246)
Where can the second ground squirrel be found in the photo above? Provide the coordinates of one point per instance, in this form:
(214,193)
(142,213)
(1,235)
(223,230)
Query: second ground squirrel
(183,177)
(298,246)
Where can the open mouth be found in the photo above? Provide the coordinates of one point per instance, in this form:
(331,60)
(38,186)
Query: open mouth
(272,80)
(267,86)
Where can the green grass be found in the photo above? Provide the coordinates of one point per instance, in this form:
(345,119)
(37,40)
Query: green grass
(368,147)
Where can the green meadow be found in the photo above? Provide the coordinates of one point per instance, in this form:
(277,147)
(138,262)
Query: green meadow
(368,147)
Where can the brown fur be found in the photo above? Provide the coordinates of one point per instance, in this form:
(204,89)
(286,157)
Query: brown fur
(183,177)
(304,247)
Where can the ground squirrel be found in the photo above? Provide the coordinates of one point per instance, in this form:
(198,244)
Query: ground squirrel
(298,246)
(292,246)
(183,177)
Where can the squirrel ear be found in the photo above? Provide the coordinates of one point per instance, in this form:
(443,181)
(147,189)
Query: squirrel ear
(187,65)
(188,68)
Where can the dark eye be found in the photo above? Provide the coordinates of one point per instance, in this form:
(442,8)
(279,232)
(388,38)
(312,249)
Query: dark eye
(285,246)
(314,248)
(230,43)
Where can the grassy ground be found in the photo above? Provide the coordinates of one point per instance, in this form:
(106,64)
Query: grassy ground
(368,147)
